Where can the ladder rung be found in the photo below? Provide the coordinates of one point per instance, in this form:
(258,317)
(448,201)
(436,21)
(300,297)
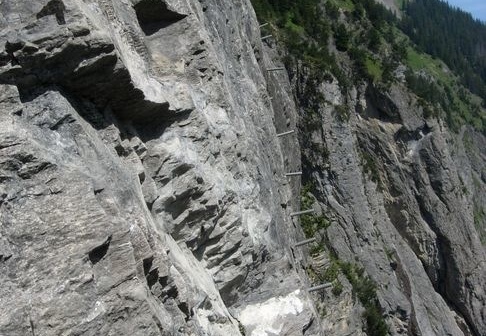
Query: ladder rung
(294,174)
(263,25)
(276,69)
(285,133)
(304,212)
(266,37)
(316,288)
(305,242)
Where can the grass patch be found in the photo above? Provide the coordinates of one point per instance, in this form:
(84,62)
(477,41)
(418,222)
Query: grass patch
(374,69)
(418,61)
(311,224)
(337,287)
(479,219)
(316,249)
(346,5)
(329,275)
(292,26)
(342,113)
(370,166)
(365,290)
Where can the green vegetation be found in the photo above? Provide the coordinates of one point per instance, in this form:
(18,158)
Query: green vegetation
(329,275)
(332,272)
(419,61)
(452,35)
(342,112)
(342,37)
(301,26)
(374,70)
(347,5)
(441,93)
(479,220)
(400,3)
(311,224)
(469,146)
(376,43)
(365,290)
(370,167)
(456,38)
(337,287)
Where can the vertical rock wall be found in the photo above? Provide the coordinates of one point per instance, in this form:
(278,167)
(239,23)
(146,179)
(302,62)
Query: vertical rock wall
(400,193)
(142,187)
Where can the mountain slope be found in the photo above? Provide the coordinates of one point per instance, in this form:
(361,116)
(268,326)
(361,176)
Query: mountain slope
(392,166)
(150,180)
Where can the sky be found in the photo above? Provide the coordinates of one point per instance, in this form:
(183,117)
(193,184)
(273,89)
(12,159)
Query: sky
(476,7)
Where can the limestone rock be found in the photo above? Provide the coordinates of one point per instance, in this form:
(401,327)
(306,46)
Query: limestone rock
(400,195)
(141,180)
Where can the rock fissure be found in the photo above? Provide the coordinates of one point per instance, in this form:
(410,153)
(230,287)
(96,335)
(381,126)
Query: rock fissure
(96,254)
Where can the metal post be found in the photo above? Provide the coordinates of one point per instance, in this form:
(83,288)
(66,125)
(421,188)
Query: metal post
(266,37)
(294,174)
(316,288)
(276,69)
(305,212)
(305,242)
(263,25)
(285,133)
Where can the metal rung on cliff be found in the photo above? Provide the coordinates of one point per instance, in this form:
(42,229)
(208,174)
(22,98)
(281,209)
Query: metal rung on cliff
(264,25)
(304,212)
(266,37)
(276,69)
(285,133)
(305,242)
(294,174)
(317,288)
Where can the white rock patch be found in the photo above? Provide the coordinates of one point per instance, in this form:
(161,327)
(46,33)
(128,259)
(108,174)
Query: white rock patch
(270,317)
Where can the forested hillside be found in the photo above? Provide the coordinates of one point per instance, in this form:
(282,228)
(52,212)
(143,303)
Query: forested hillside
(438,50)
(452,35)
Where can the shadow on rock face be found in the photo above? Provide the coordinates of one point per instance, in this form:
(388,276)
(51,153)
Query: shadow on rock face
(56,8)
(154,15)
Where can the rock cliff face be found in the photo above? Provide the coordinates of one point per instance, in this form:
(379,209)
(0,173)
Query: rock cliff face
(143,187)
(402,196)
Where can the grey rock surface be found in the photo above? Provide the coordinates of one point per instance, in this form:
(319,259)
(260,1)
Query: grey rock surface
(142,185)
(401,193)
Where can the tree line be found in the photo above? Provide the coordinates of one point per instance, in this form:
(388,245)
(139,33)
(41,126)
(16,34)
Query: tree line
(452,35)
